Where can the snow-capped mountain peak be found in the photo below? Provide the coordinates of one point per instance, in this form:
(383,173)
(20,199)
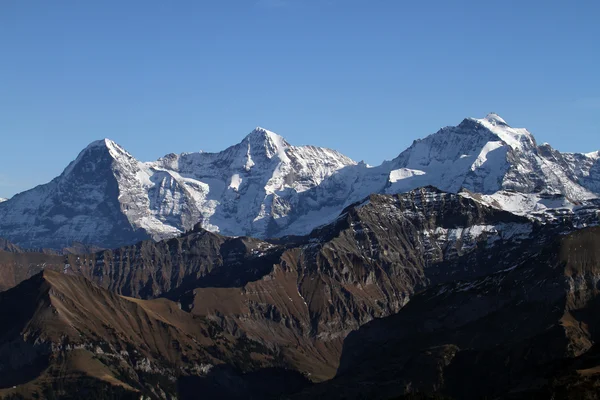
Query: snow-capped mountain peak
(517,138)
(2,199)
(99,149)
(488,156)
(107,144)
(495,119)
(595,155)
(272,143)
(260,133)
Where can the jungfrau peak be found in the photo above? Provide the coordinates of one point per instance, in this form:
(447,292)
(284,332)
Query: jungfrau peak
(266,187)
(489,157)
(517,138)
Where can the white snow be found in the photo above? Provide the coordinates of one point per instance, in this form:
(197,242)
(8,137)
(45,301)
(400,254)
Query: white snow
(523,203)
(517,138)
(482,157)
(279,144)
(235,182)
(593,155)
(403,173)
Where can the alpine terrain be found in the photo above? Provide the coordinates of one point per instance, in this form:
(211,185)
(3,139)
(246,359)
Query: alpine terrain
(265,187)
(465,268)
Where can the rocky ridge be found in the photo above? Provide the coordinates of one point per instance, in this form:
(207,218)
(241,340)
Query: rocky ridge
(301,296)
(292,302)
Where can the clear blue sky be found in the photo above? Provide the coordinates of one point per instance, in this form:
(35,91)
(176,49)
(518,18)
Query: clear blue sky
(363,77)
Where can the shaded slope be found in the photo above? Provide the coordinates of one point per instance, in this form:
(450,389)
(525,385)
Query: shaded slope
(199,258)
(57,331)
(526,332)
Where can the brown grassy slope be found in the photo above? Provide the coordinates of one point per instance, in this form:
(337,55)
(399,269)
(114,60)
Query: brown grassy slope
(56,329)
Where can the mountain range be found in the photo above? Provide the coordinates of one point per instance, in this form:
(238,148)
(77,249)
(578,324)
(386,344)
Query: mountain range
(265,187)
(465,268)
(416,286)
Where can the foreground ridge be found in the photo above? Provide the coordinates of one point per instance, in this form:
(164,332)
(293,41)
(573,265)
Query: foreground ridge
(203,311)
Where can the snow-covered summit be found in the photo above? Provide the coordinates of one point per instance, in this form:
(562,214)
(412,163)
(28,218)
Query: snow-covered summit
(260,134)
(490,157)
(495,119)
(273,144)
(594,155)
(107,145)
(106,197)
(95,151)
(517,138)
(2,199)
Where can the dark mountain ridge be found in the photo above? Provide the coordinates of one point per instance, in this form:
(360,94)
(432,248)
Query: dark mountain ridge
(529,331)
(292,302)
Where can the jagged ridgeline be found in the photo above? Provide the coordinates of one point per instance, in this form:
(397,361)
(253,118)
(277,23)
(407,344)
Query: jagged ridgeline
(265,187)
(202,310)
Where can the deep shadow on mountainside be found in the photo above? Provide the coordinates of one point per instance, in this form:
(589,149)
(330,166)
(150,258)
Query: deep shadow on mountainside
(527,332)
(218,313)
(64,337)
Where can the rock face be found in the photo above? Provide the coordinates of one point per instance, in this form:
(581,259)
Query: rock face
(365,265)
(314,290)
(265,187)
(528,331)
(83,204)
